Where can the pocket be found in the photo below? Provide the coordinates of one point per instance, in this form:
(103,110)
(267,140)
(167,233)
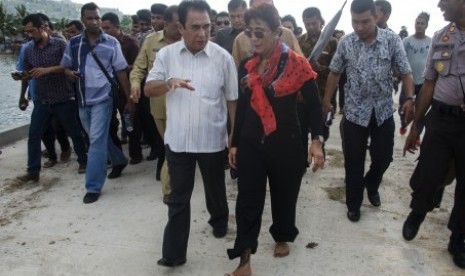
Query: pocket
(441,60)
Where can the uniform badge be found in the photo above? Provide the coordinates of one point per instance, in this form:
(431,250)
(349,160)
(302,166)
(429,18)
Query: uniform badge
(440,66)
(445,38)
(452,29)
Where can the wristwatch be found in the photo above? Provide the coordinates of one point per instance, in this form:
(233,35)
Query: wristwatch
(319,138)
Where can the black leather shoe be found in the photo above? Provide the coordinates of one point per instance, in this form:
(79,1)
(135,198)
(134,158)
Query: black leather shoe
(353,216)
(171,263)
(91,198)
(116,171)
(375,200)
(219,232)
(411,225)
(457,249)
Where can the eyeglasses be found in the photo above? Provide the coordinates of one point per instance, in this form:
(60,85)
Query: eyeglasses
(225,23)
(257,34)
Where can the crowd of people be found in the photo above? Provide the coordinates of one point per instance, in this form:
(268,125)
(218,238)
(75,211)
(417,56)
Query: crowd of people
(237,89)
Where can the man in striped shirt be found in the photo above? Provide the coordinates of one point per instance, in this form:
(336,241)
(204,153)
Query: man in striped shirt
(199,94)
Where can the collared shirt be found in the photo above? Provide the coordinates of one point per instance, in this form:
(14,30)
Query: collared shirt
(50,88)
(225,38)
(446,65)
(129,47)
(196,120)
(93,87)
(307,44)
(417,52)
(143,64)
(242,47)
(369,79)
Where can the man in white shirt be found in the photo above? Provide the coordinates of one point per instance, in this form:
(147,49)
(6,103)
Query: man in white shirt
(200,82)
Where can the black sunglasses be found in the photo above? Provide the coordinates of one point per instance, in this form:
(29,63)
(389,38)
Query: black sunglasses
(219,23)
(257,34)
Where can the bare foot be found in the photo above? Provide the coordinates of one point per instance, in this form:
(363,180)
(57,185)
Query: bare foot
(281,249)
(241,270)
(244,268)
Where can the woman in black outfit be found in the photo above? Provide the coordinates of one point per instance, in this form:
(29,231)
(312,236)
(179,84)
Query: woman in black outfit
(266,136)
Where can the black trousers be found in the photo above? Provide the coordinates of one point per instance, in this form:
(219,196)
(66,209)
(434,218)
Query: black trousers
(444,140)
(279,159)
(144,124)
(182,174)
(355,146)
(55,131)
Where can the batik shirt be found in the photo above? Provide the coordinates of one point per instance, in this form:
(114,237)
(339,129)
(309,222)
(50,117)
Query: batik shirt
(369,78)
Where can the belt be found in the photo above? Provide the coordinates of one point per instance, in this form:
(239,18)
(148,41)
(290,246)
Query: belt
(54,101)
(443,108)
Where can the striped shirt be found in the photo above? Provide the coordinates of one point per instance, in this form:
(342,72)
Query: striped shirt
(93,87)
(196,120)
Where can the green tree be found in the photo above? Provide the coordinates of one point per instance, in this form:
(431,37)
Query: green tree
(126,24)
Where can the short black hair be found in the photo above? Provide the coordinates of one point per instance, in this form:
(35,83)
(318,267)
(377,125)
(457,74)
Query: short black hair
(234,4)
(76,23)
(88,7)
(158,8)
(384,5)
(291,19)
(135,18)
(265,12)
(223,13)
(361,6)
(35,18)
(112,17)
(186,6)
(144,15)
(425,16)
(169,12)
(311,12)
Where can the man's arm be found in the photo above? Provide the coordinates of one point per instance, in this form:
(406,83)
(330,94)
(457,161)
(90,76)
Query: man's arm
(423,103)
(159,87)
(409,88)
(38,72)
(331,85)
(23,102)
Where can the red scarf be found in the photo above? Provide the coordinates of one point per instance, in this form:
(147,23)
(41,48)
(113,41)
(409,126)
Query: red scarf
(296,72)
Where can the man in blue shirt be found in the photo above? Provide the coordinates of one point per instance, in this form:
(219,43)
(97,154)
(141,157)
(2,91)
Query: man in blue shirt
(94,95)
(368,55)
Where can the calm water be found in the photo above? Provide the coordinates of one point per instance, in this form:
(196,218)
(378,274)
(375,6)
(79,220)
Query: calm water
(10,115)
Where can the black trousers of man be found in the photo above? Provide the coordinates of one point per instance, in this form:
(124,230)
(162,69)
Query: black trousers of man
(444,140)
(280,160)
(355,146)
(182,175)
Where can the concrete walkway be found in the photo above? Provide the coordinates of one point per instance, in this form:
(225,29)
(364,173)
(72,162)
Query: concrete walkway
(47,230)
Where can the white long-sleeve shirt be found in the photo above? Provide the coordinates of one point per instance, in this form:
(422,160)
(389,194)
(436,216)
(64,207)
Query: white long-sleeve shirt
(196,120)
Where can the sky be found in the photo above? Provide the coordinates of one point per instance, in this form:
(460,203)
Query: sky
(404,12)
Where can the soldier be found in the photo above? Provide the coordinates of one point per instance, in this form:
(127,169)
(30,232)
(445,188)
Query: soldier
(443,91)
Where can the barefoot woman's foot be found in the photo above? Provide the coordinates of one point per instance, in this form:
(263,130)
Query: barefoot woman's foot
(281,249)
(244,268)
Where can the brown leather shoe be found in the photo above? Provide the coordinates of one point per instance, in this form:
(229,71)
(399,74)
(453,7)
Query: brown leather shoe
(34,177)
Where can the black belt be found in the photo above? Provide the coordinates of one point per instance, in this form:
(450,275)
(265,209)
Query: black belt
(443,108)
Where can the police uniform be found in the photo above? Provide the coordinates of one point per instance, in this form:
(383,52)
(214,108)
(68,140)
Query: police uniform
(445,128)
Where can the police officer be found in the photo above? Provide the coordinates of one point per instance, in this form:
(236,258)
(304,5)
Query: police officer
(443,91)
